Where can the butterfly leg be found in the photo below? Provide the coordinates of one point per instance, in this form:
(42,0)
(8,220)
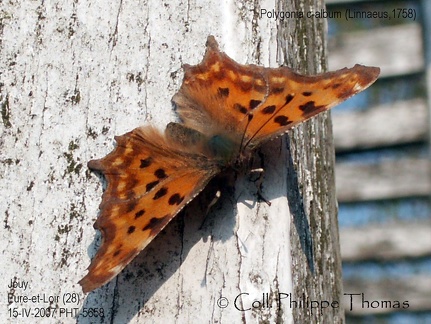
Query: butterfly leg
(258,183)
(212,203)
(262,198)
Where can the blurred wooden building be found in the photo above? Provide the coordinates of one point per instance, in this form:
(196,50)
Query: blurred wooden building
(383,158)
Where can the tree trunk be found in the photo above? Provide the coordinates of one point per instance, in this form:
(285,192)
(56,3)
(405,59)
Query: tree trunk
(73,75)
(311,182)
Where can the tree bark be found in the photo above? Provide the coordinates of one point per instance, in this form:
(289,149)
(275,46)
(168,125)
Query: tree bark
(311,182)
(74,74)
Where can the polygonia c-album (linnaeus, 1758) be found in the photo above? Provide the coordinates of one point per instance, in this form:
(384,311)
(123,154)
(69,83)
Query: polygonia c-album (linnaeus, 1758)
(227,110)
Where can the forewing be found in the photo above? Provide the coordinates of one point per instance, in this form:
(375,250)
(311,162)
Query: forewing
(149,182)
(217,94)
(293,98)
(251,104)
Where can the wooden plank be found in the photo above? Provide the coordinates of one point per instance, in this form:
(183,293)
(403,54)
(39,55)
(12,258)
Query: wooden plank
(426,12)
(390,242)
(397,50)
(399,123)
(415,290)
(386,180)
(332,2)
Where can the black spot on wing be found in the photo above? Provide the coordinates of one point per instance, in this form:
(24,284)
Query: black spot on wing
(160,173)
(240,108)
(155,224)
(289,98)
(282,120)
(131,229)
(146,162)
(140,213)
(254,103)
(310,107)
(132,204)
(268,110)
(276,90)
(223,92)
(151,185)
(307,93)
(160,193)
(175,199)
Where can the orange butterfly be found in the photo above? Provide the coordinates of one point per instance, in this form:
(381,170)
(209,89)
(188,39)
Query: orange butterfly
(227,110)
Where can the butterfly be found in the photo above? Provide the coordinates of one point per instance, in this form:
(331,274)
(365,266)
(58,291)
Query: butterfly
(227,110)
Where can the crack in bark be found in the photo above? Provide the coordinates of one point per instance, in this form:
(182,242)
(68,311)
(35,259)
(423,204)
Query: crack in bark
(114,36)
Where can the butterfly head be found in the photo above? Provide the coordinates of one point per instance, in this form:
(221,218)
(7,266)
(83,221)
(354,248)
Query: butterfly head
(222,147)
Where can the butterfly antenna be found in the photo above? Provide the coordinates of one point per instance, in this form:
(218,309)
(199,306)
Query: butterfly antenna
(249,118)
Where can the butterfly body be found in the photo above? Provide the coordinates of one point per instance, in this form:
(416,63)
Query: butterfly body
(227,110)
(215,146)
